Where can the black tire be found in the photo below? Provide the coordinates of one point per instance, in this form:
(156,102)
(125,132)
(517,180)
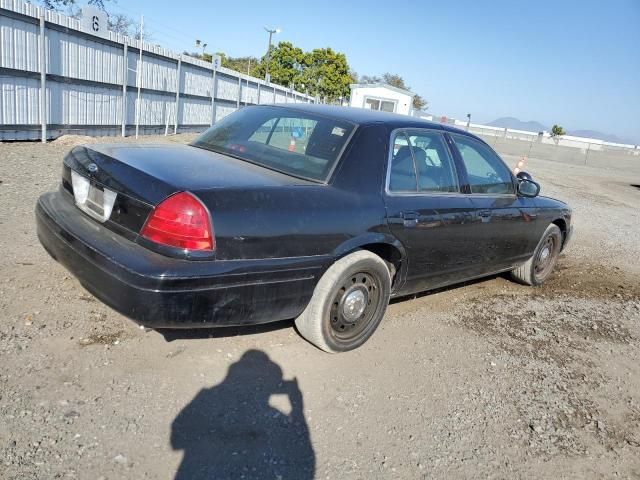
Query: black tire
(348,303)
(539,267)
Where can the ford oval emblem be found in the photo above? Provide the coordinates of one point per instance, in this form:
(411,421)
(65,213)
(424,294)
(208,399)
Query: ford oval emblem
(92,168)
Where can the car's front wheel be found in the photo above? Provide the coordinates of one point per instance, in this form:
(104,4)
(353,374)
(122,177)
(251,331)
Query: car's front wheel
(348,303)
(539,267)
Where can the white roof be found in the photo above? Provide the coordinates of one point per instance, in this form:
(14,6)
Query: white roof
(355,86)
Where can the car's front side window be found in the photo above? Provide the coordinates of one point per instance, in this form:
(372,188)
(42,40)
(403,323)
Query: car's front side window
(486,172)
(420,162)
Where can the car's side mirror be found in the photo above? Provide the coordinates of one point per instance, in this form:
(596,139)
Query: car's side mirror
(528,188)
(524,176)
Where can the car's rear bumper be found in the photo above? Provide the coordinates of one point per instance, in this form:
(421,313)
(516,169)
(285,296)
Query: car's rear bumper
(159,291)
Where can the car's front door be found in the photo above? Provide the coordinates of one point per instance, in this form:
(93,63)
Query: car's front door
(427,211)
(507,222)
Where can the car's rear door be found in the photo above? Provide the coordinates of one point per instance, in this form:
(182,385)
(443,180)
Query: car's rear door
(428,212)
(507,228)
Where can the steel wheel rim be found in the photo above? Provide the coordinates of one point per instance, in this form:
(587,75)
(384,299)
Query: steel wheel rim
(545,258)
(349,326)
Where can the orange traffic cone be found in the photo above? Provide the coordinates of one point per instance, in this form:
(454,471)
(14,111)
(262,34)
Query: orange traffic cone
(519,166)
(292,145)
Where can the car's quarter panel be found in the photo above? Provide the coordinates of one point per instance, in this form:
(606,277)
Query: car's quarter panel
(289,221)
(309,219)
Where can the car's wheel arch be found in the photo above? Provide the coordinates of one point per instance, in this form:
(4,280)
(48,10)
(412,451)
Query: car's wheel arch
(561,223)
(387,247)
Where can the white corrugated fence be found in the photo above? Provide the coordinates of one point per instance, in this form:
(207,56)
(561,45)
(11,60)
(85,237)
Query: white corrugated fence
(91,83)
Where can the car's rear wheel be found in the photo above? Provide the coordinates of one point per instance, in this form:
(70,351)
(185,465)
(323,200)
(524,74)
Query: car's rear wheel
(539,267)
(348,303)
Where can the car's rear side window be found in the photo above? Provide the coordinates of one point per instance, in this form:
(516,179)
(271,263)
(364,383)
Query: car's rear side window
(420,162)
(402,176)
(290,141)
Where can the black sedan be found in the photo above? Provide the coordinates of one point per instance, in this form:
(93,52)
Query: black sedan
(311,212)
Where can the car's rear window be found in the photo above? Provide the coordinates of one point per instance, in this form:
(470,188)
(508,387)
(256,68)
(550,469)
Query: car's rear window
(283,139)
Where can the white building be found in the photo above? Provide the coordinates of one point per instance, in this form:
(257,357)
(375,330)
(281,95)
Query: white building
(380,96)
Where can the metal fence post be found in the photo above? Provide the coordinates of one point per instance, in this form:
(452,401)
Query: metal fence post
(239,92)
(274,94)
(586,157)
(43,80)
(214,87)
(175,125)
(258,99)
(213,95)
(140,64)
(125,80)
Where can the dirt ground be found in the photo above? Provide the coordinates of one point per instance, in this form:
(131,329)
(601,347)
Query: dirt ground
(485,380)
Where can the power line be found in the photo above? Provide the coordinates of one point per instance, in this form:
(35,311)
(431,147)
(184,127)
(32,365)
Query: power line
(174,33)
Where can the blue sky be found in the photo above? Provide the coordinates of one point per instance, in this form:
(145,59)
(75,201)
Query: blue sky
(576,63)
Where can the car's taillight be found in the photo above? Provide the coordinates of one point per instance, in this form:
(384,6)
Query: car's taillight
(180,221)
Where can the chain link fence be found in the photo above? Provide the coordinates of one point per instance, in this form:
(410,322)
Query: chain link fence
(565,149)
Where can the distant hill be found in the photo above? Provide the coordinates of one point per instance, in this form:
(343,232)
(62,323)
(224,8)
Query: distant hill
(514,123)
(605,137)
(533,126)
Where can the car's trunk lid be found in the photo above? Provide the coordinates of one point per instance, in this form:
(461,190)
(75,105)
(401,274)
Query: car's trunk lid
(141,176)
(151,173)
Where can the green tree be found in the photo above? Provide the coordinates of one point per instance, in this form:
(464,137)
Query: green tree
(239,64)
(326,73)
(557,131)
(322,71)
(395,81)
(370,79)
(285,64)
(207,57)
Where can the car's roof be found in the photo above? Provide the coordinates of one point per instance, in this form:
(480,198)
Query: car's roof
(363,116)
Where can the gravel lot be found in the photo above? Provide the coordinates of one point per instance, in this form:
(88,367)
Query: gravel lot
(486,380)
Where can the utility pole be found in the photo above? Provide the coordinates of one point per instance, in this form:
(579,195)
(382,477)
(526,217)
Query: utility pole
(267,78)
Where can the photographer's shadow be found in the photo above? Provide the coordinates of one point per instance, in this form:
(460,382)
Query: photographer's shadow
(230,431)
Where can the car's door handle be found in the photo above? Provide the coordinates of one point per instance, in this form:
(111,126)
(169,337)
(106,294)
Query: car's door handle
(410,219)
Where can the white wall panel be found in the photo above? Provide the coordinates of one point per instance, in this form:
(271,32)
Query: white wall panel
(19,100)
(78,57)
(19,45)
(85,75)
(196,81)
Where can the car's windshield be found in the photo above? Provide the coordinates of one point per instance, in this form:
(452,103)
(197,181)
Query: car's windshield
(290,141)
